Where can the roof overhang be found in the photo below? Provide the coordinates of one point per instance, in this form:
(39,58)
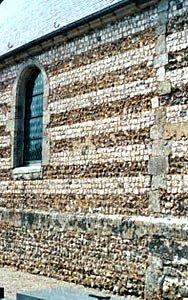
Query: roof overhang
(118,10)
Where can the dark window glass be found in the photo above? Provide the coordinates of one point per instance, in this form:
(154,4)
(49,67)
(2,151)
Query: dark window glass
(33,119)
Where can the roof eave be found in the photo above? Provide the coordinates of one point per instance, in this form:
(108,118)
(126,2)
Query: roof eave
(139,5)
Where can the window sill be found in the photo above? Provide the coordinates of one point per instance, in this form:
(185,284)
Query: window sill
(29,172)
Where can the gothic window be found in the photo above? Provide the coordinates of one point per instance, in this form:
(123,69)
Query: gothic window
(29,120)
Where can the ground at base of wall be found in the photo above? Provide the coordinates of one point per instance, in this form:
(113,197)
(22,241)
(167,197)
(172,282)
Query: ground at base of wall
(15,281)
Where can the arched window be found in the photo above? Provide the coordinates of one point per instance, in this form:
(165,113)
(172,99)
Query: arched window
(33,119)
(28,129)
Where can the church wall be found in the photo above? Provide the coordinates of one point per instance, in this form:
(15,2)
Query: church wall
(109,208)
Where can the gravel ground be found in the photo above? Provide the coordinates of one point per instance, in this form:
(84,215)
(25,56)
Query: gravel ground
(18,282)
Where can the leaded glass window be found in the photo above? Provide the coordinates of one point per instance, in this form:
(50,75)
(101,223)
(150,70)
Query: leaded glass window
(33,119)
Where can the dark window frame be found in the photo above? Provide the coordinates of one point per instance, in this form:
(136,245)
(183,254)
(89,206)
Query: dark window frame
(20,126)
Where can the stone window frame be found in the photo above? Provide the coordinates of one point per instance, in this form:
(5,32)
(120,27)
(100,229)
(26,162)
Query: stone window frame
(32,171)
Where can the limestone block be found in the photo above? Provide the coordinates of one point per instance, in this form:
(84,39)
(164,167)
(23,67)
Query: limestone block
(161,60)
(154,279)
(155,102)
(160,46)
(163,6)
(154,201)
(175,130)
(164,87)
(160,115)
(156,132)
(158,181)
(161,148)
(158,165)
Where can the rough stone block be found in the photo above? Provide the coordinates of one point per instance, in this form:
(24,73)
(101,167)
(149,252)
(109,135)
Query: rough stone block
(163,6)
(183,290)
(160,46)
(163,18)
(158,181)
(161,73)
(154,278)
(164,87)
(154,201)
(161,148)
(160,115)
(175,130)
(158,165)
(161,60)
(156,132)
(160,29)
(155,102)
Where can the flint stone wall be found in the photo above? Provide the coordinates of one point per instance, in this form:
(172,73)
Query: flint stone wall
(109,207)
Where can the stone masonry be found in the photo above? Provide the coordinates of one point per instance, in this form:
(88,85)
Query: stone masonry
(109,207)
